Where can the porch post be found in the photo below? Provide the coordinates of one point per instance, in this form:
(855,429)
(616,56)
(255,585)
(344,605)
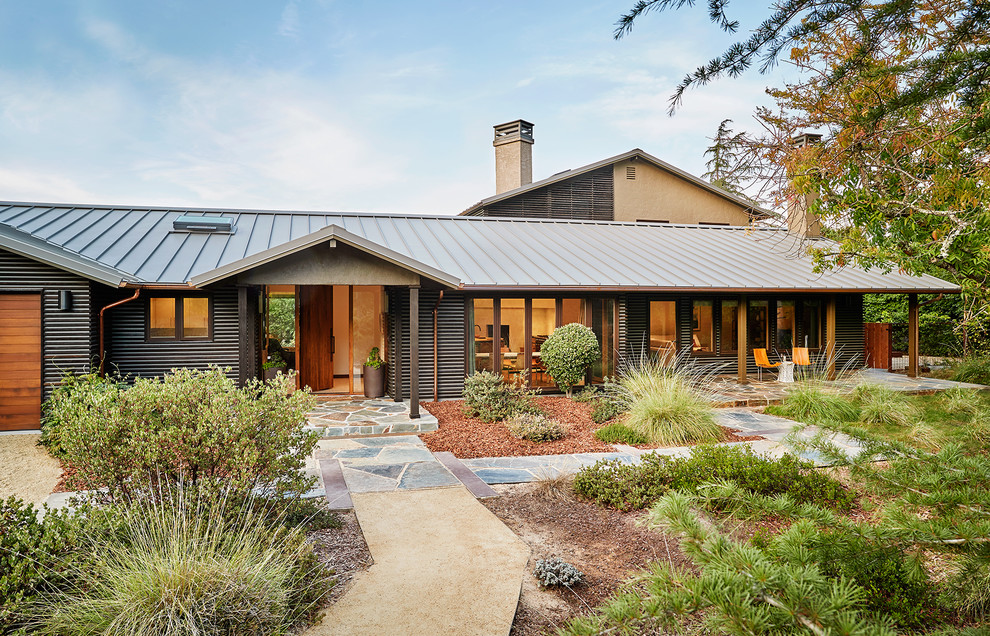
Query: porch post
(912,369)
(742,336)
(830,307)
(414,353)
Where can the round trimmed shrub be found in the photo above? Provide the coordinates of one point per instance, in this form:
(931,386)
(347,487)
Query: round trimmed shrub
(568,352)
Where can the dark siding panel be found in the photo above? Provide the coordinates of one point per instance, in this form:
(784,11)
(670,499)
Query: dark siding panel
(849,331)
(622,329)
(450,342)
(586,196)
(637,335)
(67,336)
(131,354)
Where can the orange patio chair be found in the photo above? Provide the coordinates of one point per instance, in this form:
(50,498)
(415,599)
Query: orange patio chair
(763,362)
(802,358)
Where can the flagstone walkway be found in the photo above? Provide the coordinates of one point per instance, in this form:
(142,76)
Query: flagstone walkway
(338,416)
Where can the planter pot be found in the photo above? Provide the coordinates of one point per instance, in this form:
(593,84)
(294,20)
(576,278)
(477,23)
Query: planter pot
(374,381)
(271,373)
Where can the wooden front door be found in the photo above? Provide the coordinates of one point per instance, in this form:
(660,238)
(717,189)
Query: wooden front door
(314,340)
(20,373)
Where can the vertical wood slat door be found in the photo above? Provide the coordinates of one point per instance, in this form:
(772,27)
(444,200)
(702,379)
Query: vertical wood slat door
(314,348)
(20,373)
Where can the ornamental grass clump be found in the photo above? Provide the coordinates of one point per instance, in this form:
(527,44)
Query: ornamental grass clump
(180,565)
(884,406)
(809,402)
(568,352)
(666,399)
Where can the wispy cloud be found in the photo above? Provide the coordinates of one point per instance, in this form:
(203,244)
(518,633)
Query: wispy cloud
(288,25)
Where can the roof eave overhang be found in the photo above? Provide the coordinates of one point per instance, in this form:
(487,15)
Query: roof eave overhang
(706,290)
(328,233)
(37,249)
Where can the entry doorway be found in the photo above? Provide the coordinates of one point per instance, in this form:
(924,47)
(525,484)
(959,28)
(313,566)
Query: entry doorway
(327,331)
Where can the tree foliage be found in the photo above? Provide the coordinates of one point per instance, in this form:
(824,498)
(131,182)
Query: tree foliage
(901,91)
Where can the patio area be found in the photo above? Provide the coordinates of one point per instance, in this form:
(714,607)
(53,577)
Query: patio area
(347,415)
(729,393)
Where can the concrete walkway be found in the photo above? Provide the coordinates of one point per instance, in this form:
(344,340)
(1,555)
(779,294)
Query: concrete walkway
(444,564)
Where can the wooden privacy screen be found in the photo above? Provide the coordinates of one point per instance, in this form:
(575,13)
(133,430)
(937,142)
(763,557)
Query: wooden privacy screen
(20,373)
(878,345)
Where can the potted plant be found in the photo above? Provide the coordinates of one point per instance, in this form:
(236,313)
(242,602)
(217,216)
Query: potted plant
(374,375)
(274,365)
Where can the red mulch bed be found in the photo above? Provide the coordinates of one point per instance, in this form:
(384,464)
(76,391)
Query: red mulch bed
(468,438)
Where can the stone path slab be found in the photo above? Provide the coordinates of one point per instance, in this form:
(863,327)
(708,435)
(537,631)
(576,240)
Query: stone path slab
(443,564)
(466,476)
(382,464)
(340,416)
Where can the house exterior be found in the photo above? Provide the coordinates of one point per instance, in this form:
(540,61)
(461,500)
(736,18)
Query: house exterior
(147,289)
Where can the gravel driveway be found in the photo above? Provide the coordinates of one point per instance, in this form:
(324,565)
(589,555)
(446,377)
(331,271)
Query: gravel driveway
(27,471)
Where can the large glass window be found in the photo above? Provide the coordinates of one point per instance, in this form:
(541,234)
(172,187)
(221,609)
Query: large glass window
(786,324)
(729,339)
(663,327)
(811,323)
(484,334)
(544,321)
(513,337)
(572,310)
(603,325)
(162,318)
(702,327)
(179,318)
(757,324)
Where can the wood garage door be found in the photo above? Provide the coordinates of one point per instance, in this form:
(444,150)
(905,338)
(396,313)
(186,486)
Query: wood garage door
(20,370)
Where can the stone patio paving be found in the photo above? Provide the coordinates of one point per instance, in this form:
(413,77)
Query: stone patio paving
(757,393)
(339,416)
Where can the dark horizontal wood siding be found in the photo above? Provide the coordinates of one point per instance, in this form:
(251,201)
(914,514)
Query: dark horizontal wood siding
(67,336)
(849,334)
(451,343)
(587,196)
(131,354)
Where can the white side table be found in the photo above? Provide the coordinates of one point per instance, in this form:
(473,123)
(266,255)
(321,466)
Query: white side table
(786,372)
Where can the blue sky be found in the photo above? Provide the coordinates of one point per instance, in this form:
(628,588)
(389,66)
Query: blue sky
(313,104)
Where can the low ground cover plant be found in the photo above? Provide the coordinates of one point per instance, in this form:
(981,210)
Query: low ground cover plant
(604,410)
(631,487)
(553,571)
(491,399)
(619,433)
(535,427)
(568,352)
(187,427)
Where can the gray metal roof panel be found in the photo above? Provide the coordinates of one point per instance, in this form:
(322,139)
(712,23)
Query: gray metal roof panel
(480,252)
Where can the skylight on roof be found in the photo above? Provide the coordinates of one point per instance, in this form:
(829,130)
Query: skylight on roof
(187,223)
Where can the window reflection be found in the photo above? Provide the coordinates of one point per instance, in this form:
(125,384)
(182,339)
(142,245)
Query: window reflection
(513,334)
(544,321)
(702,326)
(729,340)
(195,318)
(162,318)
(811,323)
(663,327)
(484,341)
(757,324)
(785,325)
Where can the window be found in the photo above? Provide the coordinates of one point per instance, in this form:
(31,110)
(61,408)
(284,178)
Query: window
(484,336)
(179,318)
(663,328)
(785,325)
(544,322)
(729,341)
(702,327)
(513,345)
(757,325)
(811,323)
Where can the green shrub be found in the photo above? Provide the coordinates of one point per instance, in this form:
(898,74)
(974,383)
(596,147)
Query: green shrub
(535,427)
(810,403)
(975,370)
(884,406)
(183,565)
(587,394)
(489,398)
(188,427)
(605,410)
(36,557)
(627,486)
(568,352)
(77,395)
(619,433)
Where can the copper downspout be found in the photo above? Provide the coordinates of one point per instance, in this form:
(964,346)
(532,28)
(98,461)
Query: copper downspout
(436,379)
(137,292)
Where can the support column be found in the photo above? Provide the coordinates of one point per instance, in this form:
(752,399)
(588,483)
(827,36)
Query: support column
(742,335)
(830,349)
(414,352)
(397,362)
(912,369)
(244,336)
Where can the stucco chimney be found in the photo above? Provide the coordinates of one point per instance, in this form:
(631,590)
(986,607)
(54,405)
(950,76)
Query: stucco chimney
(800,218)
(513,155)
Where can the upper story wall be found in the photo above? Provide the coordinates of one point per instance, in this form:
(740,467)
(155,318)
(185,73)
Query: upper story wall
(644,192)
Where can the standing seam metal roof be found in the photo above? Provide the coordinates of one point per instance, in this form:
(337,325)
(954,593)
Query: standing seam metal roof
(481,252)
